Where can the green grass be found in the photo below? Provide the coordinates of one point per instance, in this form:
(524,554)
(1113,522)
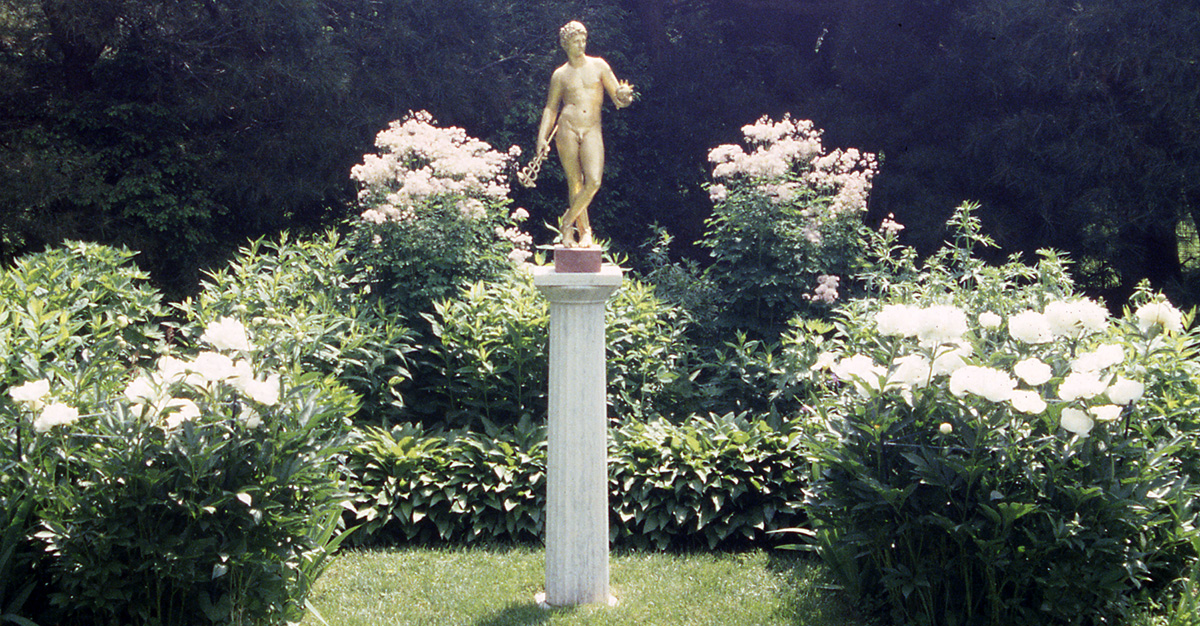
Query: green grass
(496,587)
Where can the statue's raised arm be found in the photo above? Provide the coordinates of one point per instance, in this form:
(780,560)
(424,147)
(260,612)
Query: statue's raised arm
(571,119)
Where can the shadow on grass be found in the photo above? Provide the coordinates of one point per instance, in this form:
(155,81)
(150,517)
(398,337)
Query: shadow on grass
(812,597)
(525,614)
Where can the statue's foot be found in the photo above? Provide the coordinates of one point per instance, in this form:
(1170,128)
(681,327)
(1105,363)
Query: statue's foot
(570,237)
(585,241)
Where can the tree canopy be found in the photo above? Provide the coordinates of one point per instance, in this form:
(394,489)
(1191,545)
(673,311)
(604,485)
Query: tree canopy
(180,128)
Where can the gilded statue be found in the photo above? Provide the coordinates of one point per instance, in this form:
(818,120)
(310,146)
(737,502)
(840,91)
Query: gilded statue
(572,120)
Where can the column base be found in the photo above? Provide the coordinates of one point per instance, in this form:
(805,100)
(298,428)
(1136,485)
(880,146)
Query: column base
(540,599)
(577,260)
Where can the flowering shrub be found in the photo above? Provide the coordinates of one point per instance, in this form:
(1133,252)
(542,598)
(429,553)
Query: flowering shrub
(298,302)
(992,447)
(434,214)
(201,487)
(786,221)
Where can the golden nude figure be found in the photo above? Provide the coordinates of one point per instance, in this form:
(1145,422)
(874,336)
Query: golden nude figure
(572,118)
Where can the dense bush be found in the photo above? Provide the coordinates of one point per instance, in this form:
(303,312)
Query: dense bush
(785,225)
(993,448)
(488,356)
(718,482)
(435,215)
(203,487)
(297,300)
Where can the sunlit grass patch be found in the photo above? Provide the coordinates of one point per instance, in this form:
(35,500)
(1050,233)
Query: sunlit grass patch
(496,586)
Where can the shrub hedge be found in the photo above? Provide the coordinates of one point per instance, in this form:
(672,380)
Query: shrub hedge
(710,482)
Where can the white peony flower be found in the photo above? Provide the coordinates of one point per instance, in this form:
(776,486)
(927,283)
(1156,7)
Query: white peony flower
(947,361)
(1102,357)
(213,367)
(1159,313)
(941,324)
(913,370)
(1030,327)
(30,393)
(226,334)
(1125,391)
(180,410)
(142,390)
(1106,412)
(946,428)
(989,320)
(1076,421)
(825,360)
(901,320)
(57,414)
(861,370)
(1077,318)
(1033,371)
(250,418)
(264,391)
(986,382)
(1081,385)
(1027,401)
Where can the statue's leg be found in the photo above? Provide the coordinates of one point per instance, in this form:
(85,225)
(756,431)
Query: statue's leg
(591,163)
(568,153)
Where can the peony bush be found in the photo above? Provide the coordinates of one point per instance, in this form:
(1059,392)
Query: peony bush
(199,486)
(990,447)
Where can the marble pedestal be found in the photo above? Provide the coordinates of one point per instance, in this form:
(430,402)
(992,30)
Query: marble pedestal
(577,448)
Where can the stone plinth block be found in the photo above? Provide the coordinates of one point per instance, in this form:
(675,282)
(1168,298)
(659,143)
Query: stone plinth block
(577,447)
(577,260)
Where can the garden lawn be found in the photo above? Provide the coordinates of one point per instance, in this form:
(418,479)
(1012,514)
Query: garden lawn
(496,587)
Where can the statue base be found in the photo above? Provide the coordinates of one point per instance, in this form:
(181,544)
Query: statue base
(577,260)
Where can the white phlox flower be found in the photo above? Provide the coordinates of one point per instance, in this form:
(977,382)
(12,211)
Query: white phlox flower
(1033,371)
(1076,421)
(986,382)
(226,334)
(56,414)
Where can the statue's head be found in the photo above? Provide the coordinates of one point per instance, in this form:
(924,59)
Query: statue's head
(570,30)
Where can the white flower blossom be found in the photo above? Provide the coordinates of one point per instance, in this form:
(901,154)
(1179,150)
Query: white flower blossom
(990,320)
(1033,371)
(1103,357)
(264,392)
(1076,421)
(1027,401)
(56,414)
(941,324)
(30,393)
(1125,391)
(1030,327)
(862,371)
(900,320)
(1081,386)
(947,361)
(1076,318)
(226,334)
(1106,412)
(1159,313)
(179,410)
(913,370)
(213,367)
(986,382)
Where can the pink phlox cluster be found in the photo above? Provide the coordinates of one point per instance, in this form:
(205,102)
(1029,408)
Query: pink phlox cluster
(521,241)
(419,160)
(826,291)
(786,158)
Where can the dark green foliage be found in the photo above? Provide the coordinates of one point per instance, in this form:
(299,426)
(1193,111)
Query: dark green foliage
(80,309)
(488,356)
(713,483)
(296,298)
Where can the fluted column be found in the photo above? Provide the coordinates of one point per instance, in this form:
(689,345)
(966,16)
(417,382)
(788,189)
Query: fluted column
(577,448)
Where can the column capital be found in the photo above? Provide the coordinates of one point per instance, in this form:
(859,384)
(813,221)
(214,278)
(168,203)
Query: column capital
(577,288)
